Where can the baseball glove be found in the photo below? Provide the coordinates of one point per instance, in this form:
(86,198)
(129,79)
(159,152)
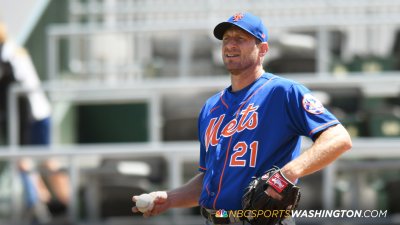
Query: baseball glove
(264,209)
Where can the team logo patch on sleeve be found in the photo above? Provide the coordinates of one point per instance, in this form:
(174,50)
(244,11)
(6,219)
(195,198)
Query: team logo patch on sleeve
(312,104)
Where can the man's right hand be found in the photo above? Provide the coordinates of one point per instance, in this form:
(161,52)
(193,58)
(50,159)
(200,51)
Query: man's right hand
(161,204)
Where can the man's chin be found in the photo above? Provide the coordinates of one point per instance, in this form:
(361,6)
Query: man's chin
(232,68)
(234,72)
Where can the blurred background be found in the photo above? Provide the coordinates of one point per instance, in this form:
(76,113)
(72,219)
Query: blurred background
(126,80)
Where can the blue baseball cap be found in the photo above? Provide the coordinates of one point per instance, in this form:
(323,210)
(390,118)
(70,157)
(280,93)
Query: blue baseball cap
(246,21)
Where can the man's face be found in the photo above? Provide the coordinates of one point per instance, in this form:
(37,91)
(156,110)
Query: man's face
(239,50)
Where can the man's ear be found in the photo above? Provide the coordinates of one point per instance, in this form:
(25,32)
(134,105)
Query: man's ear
(263,48)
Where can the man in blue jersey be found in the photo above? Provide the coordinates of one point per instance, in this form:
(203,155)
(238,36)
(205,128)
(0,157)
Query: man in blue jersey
(254,124)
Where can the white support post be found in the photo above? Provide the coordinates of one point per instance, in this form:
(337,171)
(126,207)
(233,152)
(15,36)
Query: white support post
(328,186)
(15,197)
(155,119)
(185,54)
(52,57)
(74,181)
(323,56)
(175,167)
(13,123)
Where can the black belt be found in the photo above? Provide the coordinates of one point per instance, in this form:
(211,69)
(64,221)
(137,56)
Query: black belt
(210,214)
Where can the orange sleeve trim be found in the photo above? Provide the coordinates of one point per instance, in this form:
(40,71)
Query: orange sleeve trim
(322,126)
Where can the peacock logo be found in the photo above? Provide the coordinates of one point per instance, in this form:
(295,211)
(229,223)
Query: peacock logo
(221,214)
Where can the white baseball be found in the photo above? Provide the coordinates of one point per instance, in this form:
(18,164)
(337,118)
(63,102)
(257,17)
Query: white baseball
(145,202)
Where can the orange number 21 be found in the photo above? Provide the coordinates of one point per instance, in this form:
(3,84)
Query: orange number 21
(240,150)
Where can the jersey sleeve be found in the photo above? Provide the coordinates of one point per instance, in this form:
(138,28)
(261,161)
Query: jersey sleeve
(202,161)
(307,114)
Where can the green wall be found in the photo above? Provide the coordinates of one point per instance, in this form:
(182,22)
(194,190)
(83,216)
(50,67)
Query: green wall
(56,12)
(112,123)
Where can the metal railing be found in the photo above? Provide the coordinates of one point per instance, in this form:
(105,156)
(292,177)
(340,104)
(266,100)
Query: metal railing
(292,13)
(136,22)
(175,152)
(178,152)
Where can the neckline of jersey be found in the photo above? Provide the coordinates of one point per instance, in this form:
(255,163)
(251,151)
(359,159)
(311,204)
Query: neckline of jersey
(229,94)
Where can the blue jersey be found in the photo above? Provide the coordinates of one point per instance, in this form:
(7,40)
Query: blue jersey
(243,134)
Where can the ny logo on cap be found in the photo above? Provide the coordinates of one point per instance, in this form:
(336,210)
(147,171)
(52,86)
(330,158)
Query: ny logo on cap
(237,17)
(263,35)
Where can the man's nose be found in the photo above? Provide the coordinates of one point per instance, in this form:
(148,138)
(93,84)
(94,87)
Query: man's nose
(230,44)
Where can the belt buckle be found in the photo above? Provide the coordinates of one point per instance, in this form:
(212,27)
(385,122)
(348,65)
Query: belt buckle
(205,213)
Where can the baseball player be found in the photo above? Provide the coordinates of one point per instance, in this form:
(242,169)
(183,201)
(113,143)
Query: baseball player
(250,128)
